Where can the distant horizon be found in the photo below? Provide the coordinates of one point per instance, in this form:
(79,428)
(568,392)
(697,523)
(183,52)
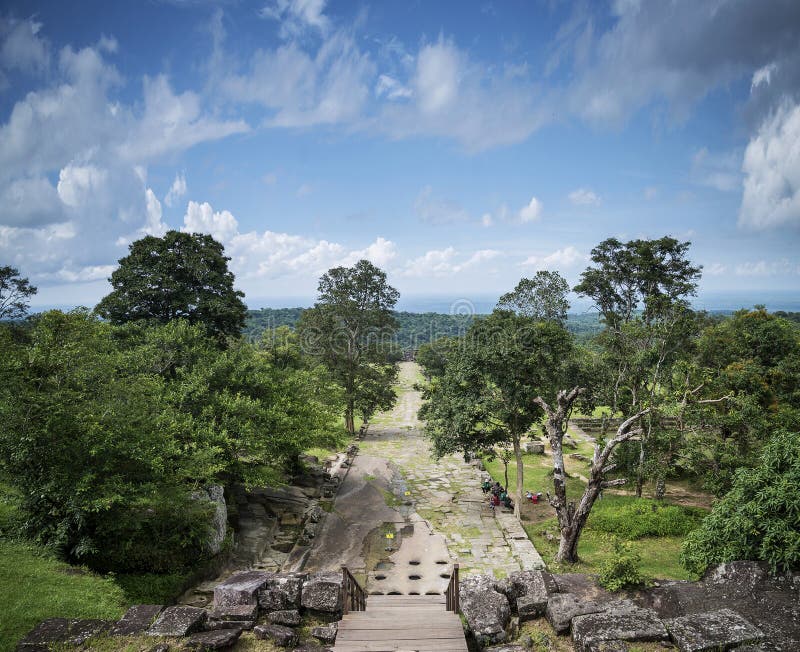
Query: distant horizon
(713,301)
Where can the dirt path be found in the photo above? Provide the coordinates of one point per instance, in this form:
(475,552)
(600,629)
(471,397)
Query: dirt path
(401,518)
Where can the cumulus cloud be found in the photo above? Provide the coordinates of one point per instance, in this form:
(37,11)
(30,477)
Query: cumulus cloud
(584,197)
(201,218)
(444,262)
(771,166)
(297,16)
(21,48)
(176,190)
(531,212)
(564,258)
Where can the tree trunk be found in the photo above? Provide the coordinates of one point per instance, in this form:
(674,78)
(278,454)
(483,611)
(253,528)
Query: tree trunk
(640,470)
(349,421)
(520,472)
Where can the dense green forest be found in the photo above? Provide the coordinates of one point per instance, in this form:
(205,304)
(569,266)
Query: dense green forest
(414,328)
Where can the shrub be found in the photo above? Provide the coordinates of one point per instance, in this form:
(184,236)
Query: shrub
(759,519)
(622,569)
(643,518)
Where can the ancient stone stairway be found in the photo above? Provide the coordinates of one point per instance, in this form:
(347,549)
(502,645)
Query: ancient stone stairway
(401,622)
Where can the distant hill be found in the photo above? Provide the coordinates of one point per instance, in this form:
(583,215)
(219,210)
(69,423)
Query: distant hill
(415,327)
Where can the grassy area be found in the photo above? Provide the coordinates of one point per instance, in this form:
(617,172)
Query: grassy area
(35,586)
(660,554)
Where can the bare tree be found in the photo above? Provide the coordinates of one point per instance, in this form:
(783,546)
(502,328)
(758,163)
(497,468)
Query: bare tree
(572,516)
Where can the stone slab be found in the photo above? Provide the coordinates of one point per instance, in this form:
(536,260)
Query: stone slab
(59,632)
(713,630)
(282,636)
(240,588)
(137,620)
(617,624)
(235,612)
(563,607)
(178,621)
(287,617)
(220,639)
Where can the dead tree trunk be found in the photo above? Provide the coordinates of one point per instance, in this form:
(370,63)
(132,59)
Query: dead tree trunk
(572,516)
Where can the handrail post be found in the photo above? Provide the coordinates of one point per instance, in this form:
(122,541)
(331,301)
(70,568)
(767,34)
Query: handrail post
(345,590)
(452,602)
(354,597)
(457,604)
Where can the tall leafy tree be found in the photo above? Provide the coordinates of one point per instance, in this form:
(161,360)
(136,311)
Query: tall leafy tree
(542,297)
(485,396)
(642,290)
(15,291)
(349,329)
(178,276)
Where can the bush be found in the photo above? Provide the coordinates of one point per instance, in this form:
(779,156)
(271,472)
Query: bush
(622,569)
(759,519)
(644,518)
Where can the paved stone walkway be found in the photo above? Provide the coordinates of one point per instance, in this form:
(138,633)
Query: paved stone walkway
(446,494)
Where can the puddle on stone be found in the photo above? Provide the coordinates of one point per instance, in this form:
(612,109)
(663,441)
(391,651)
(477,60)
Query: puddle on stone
(384,565)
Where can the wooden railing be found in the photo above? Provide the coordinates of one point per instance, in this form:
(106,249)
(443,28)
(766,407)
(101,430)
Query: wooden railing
(451,594)
(354,598)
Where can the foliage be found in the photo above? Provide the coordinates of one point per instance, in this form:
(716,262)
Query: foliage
(109,429)
(637,518)
(349,330)
(544,297)
(759,519)
(179,276)
(152,588)
(623,569)
(15,291)
(432,357)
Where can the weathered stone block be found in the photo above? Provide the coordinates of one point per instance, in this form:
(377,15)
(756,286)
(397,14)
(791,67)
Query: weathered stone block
(220,639)
(326,634)
(563,607)
(282,592)
(616,624)
(288,617)
(713,630)
(530,591)
(535,447)
(322,592)
(137,620)
(487,611)
(282,636)
(59,632)
(241,588)
(178,621)
(235,612)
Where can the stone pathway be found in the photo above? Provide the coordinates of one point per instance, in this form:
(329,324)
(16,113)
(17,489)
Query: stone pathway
(443,500)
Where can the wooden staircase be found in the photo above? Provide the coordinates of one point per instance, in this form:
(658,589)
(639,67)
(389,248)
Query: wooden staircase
(401,622)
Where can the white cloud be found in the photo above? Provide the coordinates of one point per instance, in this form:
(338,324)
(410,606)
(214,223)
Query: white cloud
(771,166)
(716,269)
(30,202)
(437,76)
(716,170)
(767,268)
(531,212)
(436,210)
(77,184)
(763,76)
(201,218)
(584,197)
(297,16)
(391,88)
(558,260)
(487,220)
(176,190)
(442,262)
(21,47)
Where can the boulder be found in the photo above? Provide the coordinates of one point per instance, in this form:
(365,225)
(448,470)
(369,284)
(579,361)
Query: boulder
(322,592)
(563,607)
(713,630)
(178,621)
(137,620)
(282,636)
(326,634)
(287,617)
(530,591)
(239,617)
(535,447)
(220,639)
(282,592)
(60,632)
(487,612)
(241,588)
(616,624)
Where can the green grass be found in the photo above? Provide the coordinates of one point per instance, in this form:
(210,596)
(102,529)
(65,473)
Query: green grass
(149,588)
(35,586)
(537,475)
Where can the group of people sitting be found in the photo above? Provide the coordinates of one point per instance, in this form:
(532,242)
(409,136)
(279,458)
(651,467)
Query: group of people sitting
(499,495)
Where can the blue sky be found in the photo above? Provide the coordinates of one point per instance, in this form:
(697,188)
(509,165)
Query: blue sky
(460,146)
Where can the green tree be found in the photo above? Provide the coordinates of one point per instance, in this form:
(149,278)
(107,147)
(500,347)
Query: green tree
(178,276)
(349,329)
(759,519)
(486,394)
(15,291)
(641,289)
(544,297)
(432,356)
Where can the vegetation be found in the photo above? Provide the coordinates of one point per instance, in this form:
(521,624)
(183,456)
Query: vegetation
(544,297)
(759,518)
(623,569)
(179,276)
(349,330)
(15,291)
